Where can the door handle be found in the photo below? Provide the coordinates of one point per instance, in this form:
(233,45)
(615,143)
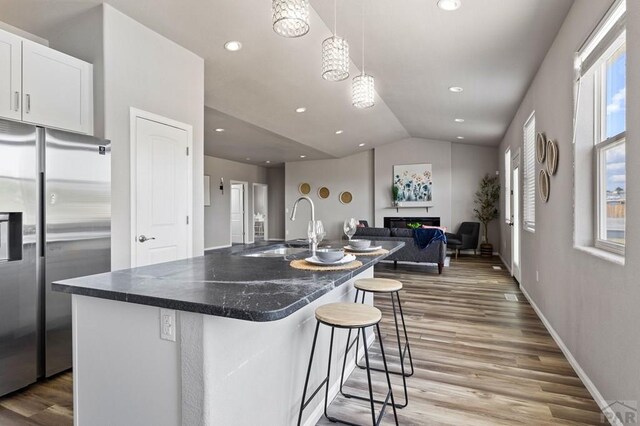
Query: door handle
(28,103)
(17,104)
(143,239)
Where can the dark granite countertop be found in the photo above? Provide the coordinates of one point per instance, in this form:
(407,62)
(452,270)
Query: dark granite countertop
(222,283)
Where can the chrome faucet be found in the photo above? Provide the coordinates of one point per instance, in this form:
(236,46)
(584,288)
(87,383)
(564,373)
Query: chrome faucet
(313,238)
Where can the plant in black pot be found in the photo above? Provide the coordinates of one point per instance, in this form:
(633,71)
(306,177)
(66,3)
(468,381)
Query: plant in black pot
(486,201)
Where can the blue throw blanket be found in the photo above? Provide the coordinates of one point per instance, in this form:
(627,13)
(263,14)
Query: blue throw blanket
(424,237)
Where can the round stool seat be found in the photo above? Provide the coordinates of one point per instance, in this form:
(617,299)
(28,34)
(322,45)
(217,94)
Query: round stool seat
(348,315)
(378,285)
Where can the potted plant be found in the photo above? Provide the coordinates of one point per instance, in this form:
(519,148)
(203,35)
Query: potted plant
(394,195)
(486,201)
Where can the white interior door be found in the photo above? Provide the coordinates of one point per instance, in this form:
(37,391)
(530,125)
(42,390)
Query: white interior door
(515,218)
(162,231)
(237,213)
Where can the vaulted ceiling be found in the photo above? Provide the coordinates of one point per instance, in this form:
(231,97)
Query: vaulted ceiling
(491,48)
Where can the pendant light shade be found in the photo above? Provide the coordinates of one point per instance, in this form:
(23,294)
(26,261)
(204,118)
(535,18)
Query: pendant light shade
(290,17)
(335,59)
(363,91)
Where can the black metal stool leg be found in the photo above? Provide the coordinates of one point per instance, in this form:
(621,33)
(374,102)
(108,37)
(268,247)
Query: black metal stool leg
(400,353)
(406,336)
(384,362)
(326,390)
(304,403)
(366,357)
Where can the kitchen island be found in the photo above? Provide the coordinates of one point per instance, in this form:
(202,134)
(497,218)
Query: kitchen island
(237,326)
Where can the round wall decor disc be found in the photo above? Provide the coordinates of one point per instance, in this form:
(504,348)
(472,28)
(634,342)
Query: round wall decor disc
(552,157)
(544,185)
(324,192)
(304,188)
(541,147)
(346,197)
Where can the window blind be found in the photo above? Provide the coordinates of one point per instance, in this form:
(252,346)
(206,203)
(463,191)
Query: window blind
(529,190)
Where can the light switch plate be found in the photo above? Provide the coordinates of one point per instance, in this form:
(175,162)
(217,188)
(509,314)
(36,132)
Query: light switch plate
(168,324)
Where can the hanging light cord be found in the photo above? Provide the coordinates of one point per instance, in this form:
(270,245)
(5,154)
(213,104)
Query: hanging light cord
(335,18)
(363,37)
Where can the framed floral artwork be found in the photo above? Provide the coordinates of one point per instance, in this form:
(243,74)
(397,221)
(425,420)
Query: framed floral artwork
(413,185)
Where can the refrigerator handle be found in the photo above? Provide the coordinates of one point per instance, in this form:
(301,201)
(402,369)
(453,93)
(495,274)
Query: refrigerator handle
(43,231)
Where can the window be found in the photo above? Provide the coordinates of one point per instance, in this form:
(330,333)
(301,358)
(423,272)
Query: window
(507,185)
(601,106)
(529,197)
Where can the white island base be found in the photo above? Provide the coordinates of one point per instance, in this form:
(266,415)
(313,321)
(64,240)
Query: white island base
(219,371)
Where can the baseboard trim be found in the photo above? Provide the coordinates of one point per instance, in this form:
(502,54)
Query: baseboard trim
(217,247)
(318,412)
(591,387)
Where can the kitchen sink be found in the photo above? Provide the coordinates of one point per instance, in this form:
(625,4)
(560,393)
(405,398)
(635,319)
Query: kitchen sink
(278,251)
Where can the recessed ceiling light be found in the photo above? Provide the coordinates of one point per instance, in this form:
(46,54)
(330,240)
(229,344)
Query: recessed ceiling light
(362,144)
(459,120)
(460,137)
(301,109)
(233,46)
(268,162)
(339,132)
(455,89)
(219,129)
(248,158)
(303,156)
(449,5)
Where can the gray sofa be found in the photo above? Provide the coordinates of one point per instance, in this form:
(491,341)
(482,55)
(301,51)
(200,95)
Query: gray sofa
(435,253)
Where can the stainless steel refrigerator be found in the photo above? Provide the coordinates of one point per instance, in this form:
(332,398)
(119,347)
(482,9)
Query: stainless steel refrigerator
(55,223)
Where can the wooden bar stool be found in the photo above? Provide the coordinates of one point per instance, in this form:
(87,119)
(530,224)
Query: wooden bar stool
(391,287)
(348,316)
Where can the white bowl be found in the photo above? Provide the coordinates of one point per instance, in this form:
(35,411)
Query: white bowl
(329,255)
(360,244)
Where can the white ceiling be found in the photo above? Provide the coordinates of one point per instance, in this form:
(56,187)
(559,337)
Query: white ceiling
(416,51)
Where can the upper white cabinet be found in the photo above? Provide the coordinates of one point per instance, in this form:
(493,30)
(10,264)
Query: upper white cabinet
(42,86)
(10,75)
(57,89)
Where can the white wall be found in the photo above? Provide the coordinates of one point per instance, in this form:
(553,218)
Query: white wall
(591,303)
(217,217)
(144,70)
(353,173)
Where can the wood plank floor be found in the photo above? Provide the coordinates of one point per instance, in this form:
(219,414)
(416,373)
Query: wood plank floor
(479,359)
(49,402)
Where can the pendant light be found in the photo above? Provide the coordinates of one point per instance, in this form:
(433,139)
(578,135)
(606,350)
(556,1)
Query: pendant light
(363,86)
(290,17)
(335,53)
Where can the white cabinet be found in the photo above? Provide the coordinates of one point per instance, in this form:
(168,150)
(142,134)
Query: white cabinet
(42,86)
(10,75)
(57,89)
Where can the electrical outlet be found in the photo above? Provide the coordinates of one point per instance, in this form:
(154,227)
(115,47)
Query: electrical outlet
(168,324)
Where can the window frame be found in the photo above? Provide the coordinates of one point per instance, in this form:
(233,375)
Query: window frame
(528,225)
(601,144)
(508,218)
